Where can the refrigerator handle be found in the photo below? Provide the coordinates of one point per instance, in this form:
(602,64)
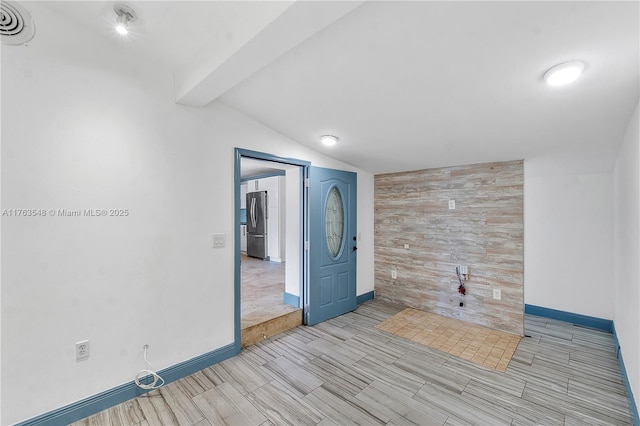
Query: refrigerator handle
(254,222)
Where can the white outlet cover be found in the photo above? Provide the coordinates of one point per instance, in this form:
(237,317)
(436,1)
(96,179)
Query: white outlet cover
(497,294)
(452,204)
(82,350)
(394,274)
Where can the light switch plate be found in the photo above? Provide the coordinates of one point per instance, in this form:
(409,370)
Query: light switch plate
(452,204)
(218,240)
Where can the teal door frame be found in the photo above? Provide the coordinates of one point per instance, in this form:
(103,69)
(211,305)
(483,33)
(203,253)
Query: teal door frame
(256,155)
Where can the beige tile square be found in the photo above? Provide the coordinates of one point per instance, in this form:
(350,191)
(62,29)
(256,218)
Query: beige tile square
(475,343)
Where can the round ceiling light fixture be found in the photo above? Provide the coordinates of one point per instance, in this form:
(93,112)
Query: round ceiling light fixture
(564,73)
(328,140)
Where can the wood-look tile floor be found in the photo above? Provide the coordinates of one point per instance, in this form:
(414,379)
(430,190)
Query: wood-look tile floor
(480,345)
(346,371)
(262,291)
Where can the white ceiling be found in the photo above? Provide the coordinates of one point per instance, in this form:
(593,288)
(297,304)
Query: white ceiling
(404,85)
(251,168)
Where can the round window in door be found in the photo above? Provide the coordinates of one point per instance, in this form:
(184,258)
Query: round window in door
(334,221)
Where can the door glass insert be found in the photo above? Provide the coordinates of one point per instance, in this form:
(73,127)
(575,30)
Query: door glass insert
(334,221)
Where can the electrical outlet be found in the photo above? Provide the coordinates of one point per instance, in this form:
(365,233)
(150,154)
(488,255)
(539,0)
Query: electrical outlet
(394,274)
(82,350)
(452,204)
(497,294)
(406,246)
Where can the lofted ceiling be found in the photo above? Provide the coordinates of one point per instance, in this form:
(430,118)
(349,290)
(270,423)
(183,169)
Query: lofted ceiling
(405,85)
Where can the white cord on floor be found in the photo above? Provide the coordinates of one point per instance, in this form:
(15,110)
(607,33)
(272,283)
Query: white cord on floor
(157,380)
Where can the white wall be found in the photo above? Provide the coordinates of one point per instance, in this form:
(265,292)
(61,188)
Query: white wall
(568,239)
(282,218)
(292,224)
(275,205)
(88,126)
(365,269)
(627,251)
(582,242)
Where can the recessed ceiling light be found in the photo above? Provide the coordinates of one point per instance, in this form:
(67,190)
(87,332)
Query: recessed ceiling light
(564,73)
(125,15)
(328,140)
(122,27)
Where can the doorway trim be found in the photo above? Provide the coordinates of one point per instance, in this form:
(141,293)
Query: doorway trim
(240,153)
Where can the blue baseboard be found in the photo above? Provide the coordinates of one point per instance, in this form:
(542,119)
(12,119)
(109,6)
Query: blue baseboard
(290,299)
(599,324)
(364,297)
(102,401)
(633,408)
(584,320)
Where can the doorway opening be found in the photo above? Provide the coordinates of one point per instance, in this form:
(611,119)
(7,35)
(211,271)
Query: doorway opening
(269,273)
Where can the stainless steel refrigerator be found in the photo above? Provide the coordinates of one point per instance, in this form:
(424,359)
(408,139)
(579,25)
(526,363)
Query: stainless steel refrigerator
(257,224)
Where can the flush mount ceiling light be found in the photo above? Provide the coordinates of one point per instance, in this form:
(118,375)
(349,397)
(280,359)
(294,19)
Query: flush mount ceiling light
(328,140)
(125,15)
(564,73)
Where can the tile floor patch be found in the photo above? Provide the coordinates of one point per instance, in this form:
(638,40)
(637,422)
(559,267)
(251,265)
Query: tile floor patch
(480,345)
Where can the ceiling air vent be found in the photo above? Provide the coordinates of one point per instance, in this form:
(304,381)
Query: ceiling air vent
(16,25)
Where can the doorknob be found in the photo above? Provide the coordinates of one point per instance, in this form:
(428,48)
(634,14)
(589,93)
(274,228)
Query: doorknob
(355,248)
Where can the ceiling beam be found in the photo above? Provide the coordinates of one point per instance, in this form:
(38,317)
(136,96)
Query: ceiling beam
(197,87)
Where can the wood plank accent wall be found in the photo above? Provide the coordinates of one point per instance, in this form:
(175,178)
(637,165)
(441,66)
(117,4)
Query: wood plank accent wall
(484,232)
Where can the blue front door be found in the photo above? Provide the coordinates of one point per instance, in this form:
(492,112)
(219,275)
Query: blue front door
(332,244)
